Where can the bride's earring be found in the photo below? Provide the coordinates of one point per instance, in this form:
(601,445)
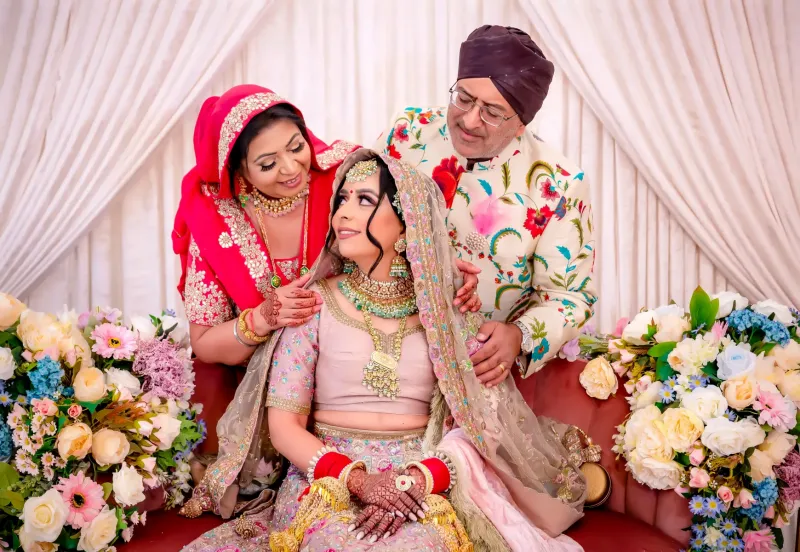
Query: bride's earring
(399,268)
(349,267)
(243,197)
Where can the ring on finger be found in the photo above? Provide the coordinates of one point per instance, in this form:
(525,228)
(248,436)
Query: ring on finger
(502,368)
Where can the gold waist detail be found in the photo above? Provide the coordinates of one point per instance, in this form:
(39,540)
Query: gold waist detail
(326,430)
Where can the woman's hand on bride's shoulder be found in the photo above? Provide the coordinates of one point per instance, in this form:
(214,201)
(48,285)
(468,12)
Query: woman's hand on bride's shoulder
(289,305)
(466,296)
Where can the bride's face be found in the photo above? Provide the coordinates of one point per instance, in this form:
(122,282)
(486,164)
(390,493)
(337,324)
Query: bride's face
(361,239)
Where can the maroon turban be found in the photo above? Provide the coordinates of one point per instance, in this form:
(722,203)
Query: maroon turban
(513,61)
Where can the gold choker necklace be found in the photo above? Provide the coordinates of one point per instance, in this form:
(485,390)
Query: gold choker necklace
(278,207)
(392,299)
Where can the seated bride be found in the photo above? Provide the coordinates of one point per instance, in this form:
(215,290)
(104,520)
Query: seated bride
(368,419)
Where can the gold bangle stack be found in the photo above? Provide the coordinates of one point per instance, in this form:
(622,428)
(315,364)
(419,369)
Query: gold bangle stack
(350,467)
(247,332)
(425,471)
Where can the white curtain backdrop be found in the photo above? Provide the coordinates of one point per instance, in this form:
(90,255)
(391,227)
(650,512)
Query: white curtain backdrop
(704,96)
(89,88)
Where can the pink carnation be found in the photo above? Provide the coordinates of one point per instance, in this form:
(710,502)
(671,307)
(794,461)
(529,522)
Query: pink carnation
(83,497)
(776,410)
(758,541)
(117,342)
(45,407)
(163,370)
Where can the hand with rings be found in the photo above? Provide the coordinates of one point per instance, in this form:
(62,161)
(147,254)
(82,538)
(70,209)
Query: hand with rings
(289,305)
(466,296)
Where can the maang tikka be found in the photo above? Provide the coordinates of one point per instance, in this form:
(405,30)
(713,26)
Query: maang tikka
(399,267)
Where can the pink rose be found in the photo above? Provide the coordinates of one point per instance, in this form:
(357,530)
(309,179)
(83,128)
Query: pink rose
(770,513)
(625,356)
(74,411)
(613,346)
(149,464)
(45,407)
(697,456)
(744,499)
(699,479)
(620,326)
(725,494)
(619,369)
(681,490)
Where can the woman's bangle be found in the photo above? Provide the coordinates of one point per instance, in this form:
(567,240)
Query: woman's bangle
(247,332)
(429,482)
(327,462)
(442,470)
(239,339)
(349,468)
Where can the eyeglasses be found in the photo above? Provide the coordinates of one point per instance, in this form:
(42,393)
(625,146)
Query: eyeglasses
(465,102)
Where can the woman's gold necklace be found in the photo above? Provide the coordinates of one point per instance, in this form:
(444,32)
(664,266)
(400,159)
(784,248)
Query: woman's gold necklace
(277,207)
(275,280)
(380,373)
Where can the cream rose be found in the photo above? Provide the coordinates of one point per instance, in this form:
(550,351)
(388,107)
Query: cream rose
(639,420)
(89,384)
(789,386)
(787,358)
(770,307)
(598,378)
(706,402)
(7,364)
(98,534)
(760,466)
(166,428)
(110,447)
(123,379)
(10,310)
(682,428)
(671,328)
(29,544)
(43,517)
(74,440)
(729,301)
(777,445)
(39,331)
(741,391)
(653,443)
(128,486)
(724,437)
(656,474)
(647,397)
(638,327)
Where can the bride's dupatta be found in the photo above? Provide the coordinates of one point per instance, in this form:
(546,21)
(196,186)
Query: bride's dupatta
(523,450)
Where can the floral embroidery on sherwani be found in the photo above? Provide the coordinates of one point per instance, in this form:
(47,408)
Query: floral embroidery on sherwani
(523,217)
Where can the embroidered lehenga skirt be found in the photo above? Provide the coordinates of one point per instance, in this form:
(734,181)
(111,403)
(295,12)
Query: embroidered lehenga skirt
(380,451)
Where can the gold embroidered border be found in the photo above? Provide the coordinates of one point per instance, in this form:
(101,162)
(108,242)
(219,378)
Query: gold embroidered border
(335,154)
(247,240)
(235,120)
(204,302)
(289,406)
(325,430)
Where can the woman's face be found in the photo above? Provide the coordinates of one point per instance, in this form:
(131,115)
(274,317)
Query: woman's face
(356,202)
(278,160)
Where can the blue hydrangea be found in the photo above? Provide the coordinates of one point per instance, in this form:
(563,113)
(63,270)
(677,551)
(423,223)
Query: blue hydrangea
(766,491)
(5,441)
(68,392)
(46,380)
(743,320)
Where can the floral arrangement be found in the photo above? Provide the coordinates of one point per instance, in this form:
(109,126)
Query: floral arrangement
(92,414)
(714,395)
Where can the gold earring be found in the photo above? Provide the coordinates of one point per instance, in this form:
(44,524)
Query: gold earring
(399,267)
(243,196)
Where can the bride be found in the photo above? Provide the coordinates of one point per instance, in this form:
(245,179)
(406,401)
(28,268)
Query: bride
(368,418)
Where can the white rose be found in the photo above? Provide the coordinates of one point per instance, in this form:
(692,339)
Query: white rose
(128,486)
(656,474)
(74,440)
(144,428)
(7,364)
(682,428)
(638,327)
(729,301)
(109,447)
(44,516)
(598,378)
(706,402)
(770,307)
(89,384)
(29,544)
(648,397)
(166,429)
(787,358)
(671,328)
(181,330)
(735,360)
(98,534)
(143,326)
(777,445)
(741,391)
(123,379)
(670,310)
(724,437)
(639,420)
(10,310)
(653,443)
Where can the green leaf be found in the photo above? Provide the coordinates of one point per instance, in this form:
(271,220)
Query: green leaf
(506,172)
(652,329)
(14,498)
(8,475)
(107,488)
(92,406)
(121,525)
(796,429)
(698,304)
(710,370)
(662,407)
(663,370)
(579,227)
(778,534)
(682,458)
(661,349)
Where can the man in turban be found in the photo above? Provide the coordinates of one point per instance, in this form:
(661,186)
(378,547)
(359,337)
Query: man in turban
(519,210)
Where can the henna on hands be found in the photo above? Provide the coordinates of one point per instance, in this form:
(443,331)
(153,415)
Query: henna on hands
(270,308)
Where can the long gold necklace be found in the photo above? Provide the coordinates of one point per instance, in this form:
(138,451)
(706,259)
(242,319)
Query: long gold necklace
(275,280)
(278,207)
(380,373)
(392,299)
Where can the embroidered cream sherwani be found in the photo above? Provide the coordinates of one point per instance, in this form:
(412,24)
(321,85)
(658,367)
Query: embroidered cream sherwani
(523,218)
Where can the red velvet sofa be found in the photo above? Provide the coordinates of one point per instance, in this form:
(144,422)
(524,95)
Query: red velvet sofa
(634,519)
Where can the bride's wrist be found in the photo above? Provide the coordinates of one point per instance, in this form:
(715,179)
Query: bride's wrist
(355,479)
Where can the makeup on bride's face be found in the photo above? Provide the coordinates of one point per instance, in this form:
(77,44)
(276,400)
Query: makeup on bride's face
(278,160)
(356,203)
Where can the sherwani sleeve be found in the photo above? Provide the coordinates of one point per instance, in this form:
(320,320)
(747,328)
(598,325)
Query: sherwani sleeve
(563,289)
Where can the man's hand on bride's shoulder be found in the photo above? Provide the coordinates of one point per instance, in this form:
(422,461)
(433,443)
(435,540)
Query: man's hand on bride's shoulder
(466,297)
(289,305)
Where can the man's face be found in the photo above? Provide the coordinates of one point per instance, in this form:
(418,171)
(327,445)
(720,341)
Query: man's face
(472,137)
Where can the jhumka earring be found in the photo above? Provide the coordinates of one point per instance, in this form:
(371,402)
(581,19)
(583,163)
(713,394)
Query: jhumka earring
(399,268)
(243,197)
(349,266)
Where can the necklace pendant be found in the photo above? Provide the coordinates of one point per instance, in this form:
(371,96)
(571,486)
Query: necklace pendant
(304,270)
(380,375)
(275,281)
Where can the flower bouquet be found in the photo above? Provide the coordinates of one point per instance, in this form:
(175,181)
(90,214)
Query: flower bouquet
(92,413)
(714,395)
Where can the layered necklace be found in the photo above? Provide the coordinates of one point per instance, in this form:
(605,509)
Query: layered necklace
(278,207)
(394,299)
(260,207)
